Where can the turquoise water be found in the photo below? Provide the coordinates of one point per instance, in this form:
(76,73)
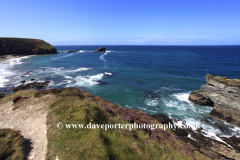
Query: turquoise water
(154,79)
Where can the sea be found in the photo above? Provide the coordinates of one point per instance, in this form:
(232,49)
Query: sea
(152,79)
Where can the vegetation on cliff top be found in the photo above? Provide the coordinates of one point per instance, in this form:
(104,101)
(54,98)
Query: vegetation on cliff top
(11,144)
(73,106)
(21,46)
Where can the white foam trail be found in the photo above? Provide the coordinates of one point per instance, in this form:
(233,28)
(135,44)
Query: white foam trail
(82,69)
(63,56)
(102,56)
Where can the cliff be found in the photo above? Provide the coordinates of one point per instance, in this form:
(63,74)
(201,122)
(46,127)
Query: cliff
(224,94)
(41,116)
(24,46)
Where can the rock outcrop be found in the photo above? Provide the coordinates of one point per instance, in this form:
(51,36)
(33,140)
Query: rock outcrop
(24,46)
(31,85)
(205,145)
(69,51)
(224,94)
(101,49)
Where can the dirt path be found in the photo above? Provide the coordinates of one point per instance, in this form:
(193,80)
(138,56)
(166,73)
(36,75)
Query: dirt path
(30,118)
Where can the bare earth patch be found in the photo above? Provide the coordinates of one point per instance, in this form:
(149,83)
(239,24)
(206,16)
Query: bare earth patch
(30,118)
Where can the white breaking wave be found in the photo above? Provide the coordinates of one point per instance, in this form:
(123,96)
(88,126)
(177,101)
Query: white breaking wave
(182,97)
(5,69)
(82,69)
(151,102)
(87,80)
(108,74)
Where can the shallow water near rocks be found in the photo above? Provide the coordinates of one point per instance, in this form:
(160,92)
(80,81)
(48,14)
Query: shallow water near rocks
(154,79)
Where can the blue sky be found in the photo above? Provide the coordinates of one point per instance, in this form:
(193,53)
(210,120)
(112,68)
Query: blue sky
(123,22)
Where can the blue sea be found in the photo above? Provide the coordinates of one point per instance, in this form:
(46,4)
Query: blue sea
(153,79)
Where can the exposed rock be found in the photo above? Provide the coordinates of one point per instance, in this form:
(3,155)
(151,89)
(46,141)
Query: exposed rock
(166,120)
(101,49)
(16,99)
(101,82)
(207,146)
(31,85)
(69,51)
(23,81)
(224,94)
(32,79)
(24,46)
(2,95)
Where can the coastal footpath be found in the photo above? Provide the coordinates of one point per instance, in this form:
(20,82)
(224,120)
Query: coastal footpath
(222,93)
(24,46)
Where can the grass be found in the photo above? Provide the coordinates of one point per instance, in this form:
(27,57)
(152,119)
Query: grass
(78,107)
(36,42)
(11,145)
(72,106)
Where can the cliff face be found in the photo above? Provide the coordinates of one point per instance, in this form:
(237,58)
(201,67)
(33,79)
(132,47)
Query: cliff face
(24,46)
(224,94)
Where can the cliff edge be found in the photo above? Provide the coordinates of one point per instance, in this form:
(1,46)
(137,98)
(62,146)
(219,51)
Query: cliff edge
(24,46)
(224,94)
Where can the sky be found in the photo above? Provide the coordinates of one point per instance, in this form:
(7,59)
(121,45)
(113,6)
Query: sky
(123,22)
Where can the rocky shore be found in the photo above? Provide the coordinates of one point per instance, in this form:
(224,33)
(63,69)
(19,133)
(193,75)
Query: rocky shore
(222,93)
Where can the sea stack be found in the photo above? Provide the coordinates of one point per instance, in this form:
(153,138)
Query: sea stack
(25,46)
(224,94)
(101,49)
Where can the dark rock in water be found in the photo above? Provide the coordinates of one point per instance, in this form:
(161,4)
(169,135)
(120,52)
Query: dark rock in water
(2,95)
(23,81)
(224,94)
(69,51)
(32,79)
(152,94)
(27,74)
(44,70)
(101,82)
(31,85)
(101,49)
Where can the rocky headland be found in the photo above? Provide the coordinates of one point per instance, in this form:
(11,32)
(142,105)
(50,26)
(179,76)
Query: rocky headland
(222,93)
(24,46)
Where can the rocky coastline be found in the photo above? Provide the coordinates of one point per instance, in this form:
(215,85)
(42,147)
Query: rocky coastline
(222,93)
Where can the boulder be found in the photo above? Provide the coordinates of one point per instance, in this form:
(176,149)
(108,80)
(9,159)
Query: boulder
(224,94)
(101,49)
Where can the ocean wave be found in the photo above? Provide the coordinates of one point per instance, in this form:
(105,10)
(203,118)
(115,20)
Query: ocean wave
(63,56)
(5,69)
(151,102)
(87,80)
(80,69)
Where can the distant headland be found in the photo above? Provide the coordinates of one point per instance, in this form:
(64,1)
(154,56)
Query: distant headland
(11,47)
